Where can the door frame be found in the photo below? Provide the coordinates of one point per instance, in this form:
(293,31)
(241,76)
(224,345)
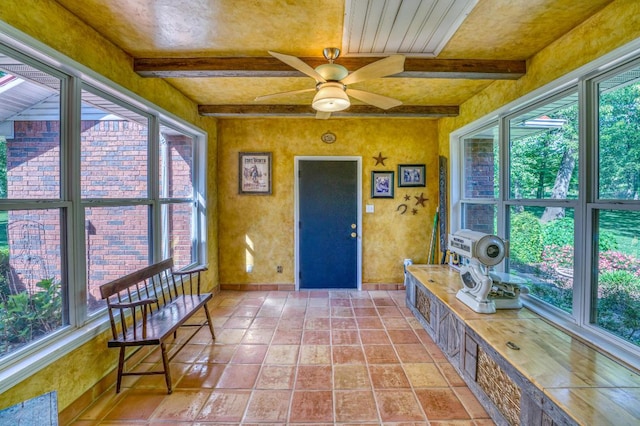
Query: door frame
(296,214)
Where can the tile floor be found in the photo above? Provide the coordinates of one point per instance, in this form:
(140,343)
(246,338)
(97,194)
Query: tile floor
(309,357)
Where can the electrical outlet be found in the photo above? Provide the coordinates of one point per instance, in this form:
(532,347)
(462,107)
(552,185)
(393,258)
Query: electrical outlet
(279,269)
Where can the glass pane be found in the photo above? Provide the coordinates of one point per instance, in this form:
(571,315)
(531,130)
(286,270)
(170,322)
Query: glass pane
(617,302)
(619,137)
(543,151)
(114,150)
(117,241)
(480,217)
(481,164)
(32,302)
(177,220)
(542,252)
(29,132)
(176,163)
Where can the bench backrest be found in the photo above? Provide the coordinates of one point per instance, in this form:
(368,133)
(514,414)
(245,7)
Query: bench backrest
(157,282)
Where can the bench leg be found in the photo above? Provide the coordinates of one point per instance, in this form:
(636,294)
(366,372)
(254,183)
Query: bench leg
(206,311)
(165,363)
(120,369)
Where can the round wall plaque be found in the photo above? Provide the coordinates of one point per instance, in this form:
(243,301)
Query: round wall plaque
(328,137)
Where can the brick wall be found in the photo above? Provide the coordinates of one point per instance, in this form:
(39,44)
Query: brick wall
(114,156)
(479,183)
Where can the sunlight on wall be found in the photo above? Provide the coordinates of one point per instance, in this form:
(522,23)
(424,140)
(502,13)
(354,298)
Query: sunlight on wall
(249,250)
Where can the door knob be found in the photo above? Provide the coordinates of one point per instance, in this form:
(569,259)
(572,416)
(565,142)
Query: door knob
(353,226)
(353,235)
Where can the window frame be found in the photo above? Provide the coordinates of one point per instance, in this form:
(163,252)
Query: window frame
(585,80)
(75,77)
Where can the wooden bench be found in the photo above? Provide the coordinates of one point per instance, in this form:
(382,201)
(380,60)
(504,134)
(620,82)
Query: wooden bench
(148,306)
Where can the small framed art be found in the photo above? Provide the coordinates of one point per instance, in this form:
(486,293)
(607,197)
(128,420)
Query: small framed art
(381,184)
(254,173)
(411,175)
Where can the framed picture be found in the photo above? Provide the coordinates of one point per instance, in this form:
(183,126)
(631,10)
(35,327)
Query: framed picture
(411,175)
(254,173)
(381,184)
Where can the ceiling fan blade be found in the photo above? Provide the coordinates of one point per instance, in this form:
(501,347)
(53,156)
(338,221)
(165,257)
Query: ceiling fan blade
(290,92)
(298,64)
(388,66)
(379,101)
(323,115)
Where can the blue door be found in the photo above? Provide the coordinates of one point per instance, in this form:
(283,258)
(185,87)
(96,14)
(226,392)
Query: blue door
(328,210)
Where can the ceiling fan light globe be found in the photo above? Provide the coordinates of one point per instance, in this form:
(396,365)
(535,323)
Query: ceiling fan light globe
(331,98)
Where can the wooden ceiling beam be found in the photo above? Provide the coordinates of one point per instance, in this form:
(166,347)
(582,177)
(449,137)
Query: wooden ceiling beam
(409,111)
(267,66)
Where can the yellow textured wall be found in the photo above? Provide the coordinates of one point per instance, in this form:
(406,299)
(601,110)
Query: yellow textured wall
(48,22)
(614,26)
(268,221)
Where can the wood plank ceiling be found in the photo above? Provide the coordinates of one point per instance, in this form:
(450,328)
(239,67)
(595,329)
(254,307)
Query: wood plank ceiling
(215,52)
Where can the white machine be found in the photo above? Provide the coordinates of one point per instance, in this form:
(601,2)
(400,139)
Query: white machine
(485,291)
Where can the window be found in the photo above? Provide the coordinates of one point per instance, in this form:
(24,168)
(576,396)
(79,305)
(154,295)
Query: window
(85,197)
(566,194)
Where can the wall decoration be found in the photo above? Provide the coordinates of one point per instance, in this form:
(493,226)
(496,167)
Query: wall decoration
(380,159)
(411,175)
(254,173)
(420,200)
(328,137)
(402,207)
(381,184)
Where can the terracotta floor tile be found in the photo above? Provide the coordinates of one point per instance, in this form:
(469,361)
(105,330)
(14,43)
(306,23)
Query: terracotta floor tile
(249,354)
(380,354)
(425,375)
(356,406)
(403,337)
(239,376)
(413,353)
(258,336)
(316,337)
(311,406)
(369,323)
(315,354)
(345,337)
(284,336)
(201,376)
(268,406)
(471,403)
(398,406)
(348,354)
(318,377)
(225,406)
(286,357)
(282,354)
(374,337)
(181,405)
(137,405)
(217,354)
(343,323)
(351,377)
(276,377)
(388,376)
(317,323)
(441,404)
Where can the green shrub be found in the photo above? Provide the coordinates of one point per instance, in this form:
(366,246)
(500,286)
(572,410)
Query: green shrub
(25,317)
(558,232)
(525,238)
(618,307)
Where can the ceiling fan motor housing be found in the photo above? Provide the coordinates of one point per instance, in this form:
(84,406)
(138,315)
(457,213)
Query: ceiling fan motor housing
(332,72)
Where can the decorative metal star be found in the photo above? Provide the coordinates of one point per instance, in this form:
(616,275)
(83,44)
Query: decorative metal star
(414,211)
(421,199)
(407,197)
(380,159)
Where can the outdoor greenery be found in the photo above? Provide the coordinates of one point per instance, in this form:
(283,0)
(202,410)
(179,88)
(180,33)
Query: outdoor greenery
(544,167)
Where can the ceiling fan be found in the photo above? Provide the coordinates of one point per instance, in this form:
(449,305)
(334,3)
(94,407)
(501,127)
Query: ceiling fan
(332,80)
